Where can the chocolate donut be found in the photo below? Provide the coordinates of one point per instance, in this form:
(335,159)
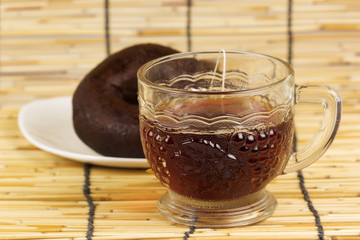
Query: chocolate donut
(105,107)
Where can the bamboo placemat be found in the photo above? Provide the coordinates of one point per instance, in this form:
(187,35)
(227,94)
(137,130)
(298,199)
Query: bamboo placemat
(48,45)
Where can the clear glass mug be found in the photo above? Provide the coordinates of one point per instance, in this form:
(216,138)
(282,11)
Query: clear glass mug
(217,127)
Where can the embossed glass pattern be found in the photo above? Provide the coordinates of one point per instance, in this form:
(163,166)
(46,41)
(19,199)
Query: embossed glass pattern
(216,128)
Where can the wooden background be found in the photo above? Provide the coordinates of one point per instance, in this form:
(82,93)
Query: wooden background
(48,45)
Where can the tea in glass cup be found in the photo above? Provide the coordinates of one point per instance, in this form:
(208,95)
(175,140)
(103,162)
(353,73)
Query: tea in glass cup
(216,134)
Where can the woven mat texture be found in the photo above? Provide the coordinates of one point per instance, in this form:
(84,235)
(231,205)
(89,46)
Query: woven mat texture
(46,48)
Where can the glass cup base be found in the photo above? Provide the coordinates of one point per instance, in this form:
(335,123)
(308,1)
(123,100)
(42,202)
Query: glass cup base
(246,210)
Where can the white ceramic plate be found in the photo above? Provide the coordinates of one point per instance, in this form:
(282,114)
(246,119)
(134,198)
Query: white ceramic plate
(47,123)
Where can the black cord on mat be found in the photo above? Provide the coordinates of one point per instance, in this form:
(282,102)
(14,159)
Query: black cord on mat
(300,174)
(289,31)
(89,200)
(107,27)
(188,25)
(187,234)
(87,166)
(306,195)
(311,207)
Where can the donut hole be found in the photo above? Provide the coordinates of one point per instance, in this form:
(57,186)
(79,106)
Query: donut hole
(124,87)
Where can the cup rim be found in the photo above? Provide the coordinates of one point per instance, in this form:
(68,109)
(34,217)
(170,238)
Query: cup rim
(142,70)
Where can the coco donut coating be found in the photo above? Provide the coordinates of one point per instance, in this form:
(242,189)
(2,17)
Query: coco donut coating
(105,107)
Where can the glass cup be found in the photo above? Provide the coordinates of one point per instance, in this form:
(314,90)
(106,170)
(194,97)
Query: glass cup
(217,127)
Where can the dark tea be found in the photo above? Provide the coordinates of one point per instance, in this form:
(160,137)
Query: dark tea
(217,126)
(219,164)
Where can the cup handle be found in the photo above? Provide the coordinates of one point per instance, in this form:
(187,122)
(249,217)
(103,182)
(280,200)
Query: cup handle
(332,105)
